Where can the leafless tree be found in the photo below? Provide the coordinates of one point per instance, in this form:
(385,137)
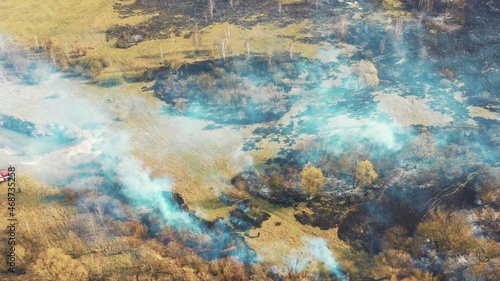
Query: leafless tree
(382,45)
(66,51)
(427,4)
(180,104)
(99,209)
(53,57)
(211,8)
(247,47)
(270,54)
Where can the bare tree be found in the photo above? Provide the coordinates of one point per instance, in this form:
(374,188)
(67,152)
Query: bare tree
(344,22)
(422,147)
(270,54)
(161,56)
(280,7)
(53,57)
(99,209)
(36,41)
(196,37)
(225,43)
(398,27)
(66,51)
(382,45)
(211,8)
(248,48)
(427,4)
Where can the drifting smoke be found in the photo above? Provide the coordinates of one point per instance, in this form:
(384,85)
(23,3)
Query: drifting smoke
(53,130)
(319,248)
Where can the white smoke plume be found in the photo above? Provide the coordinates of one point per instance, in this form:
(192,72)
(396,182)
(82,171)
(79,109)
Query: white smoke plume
(315,249)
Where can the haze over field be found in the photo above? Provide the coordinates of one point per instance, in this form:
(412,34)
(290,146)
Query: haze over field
(258,140)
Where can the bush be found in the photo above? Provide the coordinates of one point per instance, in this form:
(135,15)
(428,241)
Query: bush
(123,44)
(397,238)
(365,174)
(489,191)
(227,269)
(450,233)
(54,264)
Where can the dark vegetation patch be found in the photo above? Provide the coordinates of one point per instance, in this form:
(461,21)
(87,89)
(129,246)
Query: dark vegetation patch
(249,91)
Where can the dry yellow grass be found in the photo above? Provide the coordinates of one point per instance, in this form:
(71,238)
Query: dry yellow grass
(281,236)
(475,111)
(42,220)
(46,222)
(69,24)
